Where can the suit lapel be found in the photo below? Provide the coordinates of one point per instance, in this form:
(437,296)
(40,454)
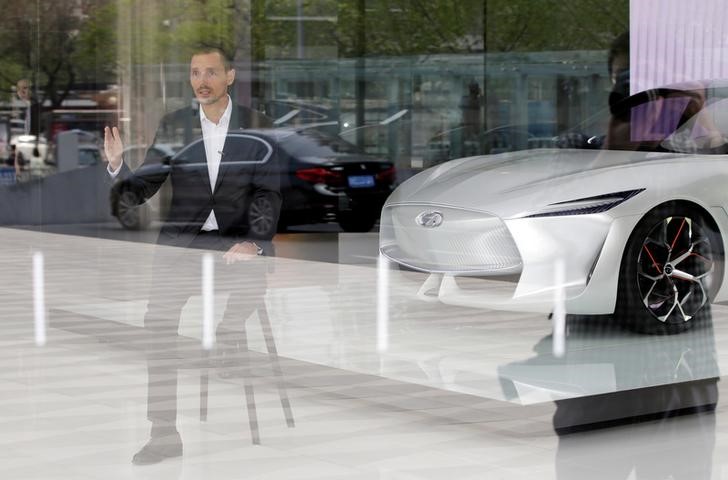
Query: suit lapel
(193,131)
(236,124)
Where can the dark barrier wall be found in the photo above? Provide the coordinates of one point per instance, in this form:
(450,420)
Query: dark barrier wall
(76,196)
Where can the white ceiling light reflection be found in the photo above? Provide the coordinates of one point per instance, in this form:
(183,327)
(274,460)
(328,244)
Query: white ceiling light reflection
(208,301)
(39,309)
(382,303)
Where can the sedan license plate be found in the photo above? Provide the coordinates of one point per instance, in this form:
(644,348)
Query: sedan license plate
(361,181)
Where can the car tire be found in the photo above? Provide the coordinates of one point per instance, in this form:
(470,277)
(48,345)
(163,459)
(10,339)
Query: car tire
(357,221)
(131,214)
(670,271)
(262,217)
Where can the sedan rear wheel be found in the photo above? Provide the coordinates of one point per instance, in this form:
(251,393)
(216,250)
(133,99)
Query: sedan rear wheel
(262,218)
(670,272)
(131,214)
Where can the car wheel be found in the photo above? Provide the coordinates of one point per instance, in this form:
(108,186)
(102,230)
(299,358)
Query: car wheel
(357,221)
(670,271)
(131,214)
(262,218)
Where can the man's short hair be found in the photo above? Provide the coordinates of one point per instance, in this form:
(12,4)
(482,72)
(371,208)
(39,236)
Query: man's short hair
(203,50)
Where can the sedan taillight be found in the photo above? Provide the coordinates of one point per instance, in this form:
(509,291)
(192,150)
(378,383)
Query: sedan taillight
(387,176)
(321,175)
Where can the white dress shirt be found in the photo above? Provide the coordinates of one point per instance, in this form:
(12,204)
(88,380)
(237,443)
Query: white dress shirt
(214,134)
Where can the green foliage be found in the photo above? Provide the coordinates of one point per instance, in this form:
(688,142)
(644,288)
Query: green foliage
(54,44)
(420,27)
(95,55)
(60,42)
(387,27)
(543,25)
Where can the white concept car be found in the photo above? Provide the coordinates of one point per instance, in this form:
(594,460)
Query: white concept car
(633,224)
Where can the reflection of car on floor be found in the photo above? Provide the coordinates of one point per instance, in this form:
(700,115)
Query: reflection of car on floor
(636,228)
(323,178)
(609,375)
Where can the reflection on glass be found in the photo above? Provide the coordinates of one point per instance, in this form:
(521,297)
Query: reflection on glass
(609,377)
(224,189)
(177,277)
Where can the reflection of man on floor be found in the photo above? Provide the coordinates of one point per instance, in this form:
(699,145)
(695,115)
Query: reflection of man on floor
(213,184)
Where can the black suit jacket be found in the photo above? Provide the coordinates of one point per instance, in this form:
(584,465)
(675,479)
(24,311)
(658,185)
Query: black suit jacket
(248,171)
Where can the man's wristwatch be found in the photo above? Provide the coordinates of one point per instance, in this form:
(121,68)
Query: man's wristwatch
(258,249)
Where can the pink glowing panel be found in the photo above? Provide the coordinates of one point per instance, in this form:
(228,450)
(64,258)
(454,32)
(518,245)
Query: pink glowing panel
(654,121)
(675,41)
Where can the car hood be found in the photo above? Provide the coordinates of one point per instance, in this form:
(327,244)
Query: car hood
(516,183)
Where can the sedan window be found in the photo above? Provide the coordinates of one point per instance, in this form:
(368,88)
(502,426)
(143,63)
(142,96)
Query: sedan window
(313,143)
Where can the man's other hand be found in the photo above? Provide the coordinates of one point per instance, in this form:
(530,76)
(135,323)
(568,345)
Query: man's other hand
(113,147)
(241,251)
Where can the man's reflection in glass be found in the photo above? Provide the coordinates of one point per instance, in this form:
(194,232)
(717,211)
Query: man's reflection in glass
(214,180)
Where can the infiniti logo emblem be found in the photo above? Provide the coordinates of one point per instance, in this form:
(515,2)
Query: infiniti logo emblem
(429,219)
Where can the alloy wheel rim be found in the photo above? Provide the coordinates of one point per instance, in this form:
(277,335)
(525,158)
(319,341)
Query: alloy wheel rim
(128,209)
(675,269)
(261,216)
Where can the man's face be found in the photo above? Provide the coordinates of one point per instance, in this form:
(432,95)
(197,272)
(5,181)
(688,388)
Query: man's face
(209,79)
(23,90)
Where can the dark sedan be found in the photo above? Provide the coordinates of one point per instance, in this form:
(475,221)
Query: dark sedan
(322,179)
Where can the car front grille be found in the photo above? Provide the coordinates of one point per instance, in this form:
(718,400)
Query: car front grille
(466,242)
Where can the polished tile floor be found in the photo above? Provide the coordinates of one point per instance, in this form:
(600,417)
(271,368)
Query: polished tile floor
(346,375)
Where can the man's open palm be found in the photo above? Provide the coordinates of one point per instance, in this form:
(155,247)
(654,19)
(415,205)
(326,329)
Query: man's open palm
(113,147)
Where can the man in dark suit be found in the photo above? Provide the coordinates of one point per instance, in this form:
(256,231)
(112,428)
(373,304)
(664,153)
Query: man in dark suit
(214,179)
(219,177)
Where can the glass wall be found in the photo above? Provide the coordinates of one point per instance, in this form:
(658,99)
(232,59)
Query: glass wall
(409,83)
(382,238)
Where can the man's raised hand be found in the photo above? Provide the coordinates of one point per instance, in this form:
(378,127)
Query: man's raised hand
(113,147)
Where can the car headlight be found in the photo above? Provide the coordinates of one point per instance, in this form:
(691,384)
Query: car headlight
(584,206)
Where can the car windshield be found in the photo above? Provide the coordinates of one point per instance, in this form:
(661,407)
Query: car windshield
(660,120)
(314,143)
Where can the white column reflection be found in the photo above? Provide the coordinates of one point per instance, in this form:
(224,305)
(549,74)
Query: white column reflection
(39,309)
(559,315)
(382,303)
(208,301)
